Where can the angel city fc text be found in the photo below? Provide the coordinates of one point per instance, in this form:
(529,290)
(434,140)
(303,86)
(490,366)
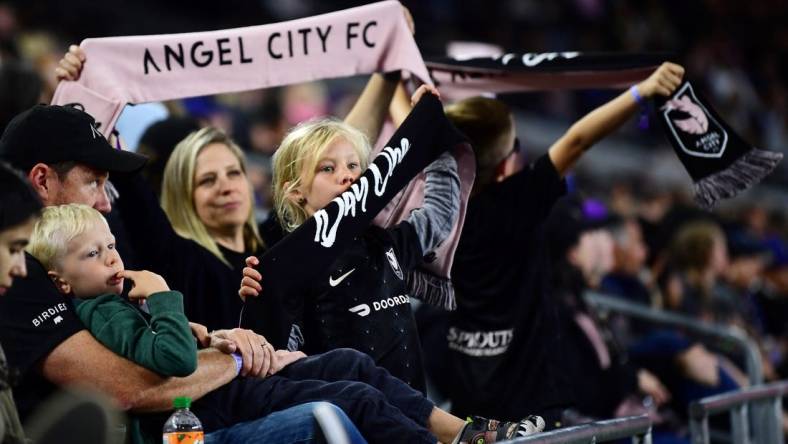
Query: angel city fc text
(279,45)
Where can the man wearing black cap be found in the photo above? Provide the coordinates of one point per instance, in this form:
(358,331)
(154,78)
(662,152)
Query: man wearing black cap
(67,160)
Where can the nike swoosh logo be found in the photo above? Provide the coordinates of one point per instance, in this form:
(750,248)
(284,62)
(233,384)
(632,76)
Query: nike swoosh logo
(334,282)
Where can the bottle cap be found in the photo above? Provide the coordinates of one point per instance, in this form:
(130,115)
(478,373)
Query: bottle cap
(182,402)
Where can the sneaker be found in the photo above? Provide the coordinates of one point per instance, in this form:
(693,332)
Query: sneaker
(480,430)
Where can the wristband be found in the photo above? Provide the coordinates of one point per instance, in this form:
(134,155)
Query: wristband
(638,98)
(643,121)
(239,363)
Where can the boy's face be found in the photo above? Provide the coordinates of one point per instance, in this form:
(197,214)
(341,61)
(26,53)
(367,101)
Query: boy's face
(91,265)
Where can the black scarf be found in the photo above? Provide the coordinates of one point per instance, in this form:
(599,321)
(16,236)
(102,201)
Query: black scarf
(720,163)
(296,261)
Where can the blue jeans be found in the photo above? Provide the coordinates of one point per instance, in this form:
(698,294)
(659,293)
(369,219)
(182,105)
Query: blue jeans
(290,426)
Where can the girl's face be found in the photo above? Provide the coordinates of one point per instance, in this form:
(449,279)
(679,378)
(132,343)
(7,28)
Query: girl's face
(12,253)
(221,195)
(337,168)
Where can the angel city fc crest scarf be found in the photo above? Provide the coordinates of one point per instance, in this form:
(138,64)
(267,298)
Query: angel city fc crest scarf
(319,241)
(720,163)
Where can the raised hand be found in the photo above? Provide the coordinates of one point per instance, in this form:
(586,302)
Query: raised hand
(663,81)
(423,89)
(70,66)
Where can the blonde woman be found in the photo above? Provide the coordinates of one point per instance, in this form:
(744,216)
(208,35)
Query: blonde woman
(198,239)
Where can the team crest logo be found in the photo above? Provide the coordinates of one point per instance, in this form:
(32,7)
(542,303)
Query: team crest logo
(393,262)
(696,131)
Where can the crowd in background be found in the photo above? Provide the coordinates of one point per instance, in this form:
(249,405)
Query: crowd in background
(729,266)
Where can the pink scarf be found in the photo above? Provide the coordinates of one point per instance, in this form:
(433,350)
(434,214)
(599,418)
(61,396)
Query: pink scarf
(361,40)
(141,69)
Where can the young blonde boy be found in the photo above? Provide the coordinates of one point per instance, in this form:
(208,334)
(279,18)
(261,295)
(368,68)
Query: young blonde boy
(77,248)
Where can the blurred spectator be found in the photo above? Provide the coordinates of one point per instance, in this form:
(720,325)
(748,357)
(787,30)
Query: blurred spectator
(157,144)
(699,253)
(629,252)
(20,89)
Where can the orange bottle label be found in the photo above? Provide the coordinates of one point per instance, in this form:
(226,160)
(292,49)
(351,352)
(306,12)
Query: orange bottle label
(183,438)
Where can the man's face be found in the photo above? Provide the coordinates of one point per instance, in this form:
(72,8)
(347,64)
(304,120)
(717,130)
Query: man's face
(81,185)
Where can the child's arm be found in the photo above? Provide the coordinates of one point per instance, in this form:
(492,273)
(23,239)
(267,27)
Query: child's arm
(166,346)
(434,220)
(369,111)
(566,151)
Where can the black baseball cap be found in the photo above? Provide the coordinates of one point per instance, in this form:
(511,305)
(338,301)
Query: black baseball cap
(53,134)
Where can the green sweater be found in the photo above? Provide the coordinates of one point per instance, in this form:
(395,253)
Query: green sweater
(161,342)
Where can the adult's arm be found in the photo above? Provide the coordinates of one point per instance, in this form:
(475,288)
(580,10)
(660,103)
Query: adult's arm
(81,360)
(369,111)
(566,151)
(400,105)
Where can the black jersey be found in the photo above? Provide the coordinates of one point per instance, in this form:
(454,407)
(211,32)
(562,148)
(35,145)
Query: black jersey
(363,303)
(503,335)
(34,319)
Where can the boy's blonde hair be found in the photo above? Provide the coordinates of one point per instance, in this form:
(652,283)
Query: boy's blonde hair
(58,226)
(296,160)
(177,191)
(485,121)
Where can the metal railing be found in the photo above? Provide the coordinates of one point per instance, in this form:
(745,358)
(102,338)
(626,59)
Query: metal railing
(636,427)
(767,430)
(761,414)
(746,346)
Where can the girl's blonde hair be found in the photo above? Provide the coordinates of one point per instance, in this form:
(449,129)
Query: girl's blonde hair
(177,191)
(296,160)
(58,226)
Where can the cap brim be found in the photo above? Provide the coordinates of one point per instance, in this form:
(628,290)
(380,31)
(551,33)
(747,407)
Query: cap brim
(116,161)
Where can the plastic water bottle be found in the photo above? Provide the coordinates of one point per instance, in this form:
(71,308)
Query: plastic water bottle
(182,427)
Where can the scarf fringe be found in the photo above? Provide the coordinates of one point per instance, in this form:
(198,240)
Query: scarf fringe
(747,171)
(431,289)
